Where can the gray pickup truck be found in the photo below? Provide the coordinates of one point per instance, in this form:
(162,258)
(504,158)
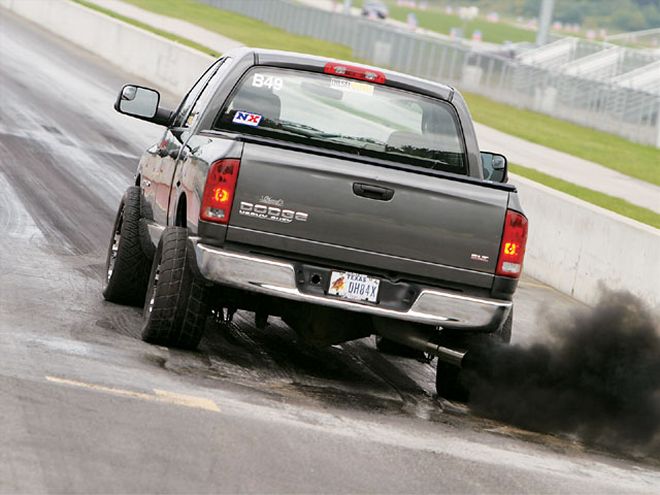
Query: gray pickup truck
(348,200)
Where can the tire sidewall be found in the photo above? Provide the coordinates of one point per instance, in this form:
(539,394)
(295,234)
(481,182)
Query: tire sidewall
(119,218)
(152,286)
(130,271)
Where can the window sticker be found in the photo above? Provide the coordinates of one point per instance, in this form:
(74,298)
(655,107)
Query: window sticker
(270,82)
(191,119)
(247,118)
(351,86)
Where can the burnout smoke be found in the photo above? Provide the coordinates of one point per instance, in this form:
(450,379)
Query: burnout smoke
(598,378)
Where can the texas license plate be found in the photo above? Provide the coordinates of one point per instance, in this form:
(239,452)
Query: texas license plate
(355,286)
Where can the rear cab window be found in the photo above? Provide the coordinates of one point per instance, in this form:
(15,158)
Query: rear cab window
(346,115)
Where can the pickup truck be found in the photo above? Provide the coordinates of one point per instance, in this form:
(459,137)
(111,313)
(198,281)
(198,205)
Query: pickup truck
(347,200)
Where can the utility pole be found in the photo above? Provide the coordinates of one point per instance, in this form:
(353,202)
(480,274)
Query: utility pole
(545,19)
(347,7)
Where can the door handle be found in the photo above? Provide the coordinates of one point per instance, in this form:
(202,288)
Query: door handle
(372,192)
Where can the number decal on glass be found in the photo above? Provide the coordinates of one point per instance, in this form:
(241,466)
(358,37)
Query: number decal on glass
(261,81)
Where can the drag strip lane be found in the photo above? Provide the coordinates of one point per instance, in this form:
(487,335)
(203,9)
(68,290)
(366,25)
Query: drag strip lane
(65,154)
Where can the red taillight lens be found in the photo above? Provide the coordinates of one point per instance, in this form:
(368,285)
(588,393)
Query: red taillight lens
(512,249)
(219,191)
(361,73)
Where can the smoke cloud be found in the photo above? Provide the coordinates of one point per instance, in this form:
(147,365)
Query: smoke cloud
(597,378)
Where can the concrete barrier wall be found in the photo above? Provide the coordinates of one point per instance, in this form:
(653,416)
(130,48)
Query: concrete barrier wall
(573,246)
(577,247)
(171,66)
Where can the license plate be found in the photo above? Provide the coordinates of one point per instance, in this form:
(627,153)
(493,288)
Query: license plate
(355,286)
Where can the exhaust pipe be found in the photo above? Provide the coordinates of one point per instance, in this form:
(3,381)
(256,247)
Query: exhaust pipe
(416,337)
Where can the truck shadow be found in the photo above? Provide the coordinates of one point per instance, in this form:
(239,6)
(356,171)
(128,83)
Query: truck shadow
(271,361)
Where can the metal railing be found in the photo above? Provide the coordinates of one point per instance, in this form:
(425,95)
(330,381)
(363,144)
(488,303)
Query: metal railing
(604,105)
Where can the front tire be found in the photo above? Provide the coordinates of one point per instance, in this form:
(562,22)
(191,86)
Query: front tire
(176,305)
(126,266)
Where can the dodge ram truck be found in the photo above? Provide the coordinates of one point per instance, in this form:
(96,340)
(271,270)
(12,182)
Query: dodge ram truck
(347,200)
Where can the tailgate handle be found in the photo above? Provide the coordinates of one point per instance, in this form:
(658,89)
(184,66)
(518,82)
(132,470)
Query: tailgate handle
(373,192)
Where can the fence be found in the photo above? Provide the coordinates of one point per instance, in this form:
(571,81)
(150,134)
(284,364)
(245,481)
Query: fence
(604,105)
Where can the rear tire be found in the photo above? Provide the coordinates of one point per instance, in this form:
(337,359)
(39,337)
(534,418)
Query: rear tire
(126,266)
(448,383)
(176,305)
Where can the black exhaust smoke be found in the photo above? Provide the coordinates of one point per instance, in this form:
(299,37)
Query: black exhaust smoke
(597,378)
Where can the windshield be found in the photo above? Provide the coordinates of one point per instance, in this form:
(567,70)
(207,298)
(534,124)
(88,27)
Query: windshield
(346,115)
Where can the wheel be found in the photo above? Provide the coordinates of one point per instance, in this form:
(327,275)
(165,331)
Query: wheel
(126,266)
(448,383)
(176,305)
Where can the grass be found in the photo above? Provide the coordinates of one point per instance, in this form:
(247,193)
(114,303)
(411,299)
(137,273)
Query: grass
(244,29)
(617,205)
(635,160)
(436,20)
(148,27)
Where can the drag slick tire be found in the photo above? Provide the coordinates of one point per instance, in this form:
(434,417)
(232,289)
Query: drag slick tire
(176,305)
(448,383)
(126,266)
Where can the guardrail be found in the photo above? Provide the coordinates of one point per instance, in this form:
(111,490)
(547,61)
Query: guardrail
(630,113)
(573,246)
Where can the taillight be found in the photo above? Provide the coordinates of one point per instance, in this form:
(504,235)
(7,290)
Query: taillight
(219,191)
(512,249)
(354,72)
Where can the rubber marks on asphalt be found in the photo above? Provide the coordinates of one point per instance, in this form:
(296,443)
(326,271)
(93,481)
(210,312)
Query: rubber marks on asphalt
(161,396)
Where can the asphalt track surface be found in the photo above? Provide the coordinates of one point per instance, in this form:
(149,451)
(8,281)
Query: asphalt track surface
(87,407)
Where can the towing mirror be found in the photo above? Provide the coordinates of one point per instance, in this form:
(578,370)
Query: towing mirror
(494,167)
(142,103)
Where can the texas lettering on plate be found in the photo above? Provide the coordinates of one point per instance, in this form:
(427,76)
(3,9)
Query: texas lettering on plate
(349,285)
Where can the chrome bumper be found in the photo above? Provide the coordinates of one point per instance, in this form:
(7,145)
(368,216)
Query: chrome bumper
(271,277)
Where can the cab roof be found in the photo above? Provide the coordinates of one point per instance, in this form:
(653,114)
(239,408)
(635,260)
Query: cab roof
(303,61)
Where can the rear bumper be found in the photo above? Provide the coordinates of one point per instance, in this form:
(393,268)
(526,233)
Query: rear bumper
(272,277)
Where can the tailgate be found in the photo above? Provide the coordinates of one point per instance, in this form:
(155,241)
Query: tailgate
(428,220)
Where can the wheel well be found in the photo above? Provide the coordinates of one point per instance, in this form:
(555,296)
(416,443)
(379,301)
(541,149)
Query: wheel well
(181,213)
(137,179)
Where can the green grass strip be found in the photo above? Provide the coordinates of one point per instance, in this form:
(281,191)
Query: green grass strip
(617,205)
(616,153)
(243,29)
(147,27)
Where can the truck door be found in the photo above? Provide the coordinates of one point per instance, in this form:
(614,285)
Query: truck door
(158,174)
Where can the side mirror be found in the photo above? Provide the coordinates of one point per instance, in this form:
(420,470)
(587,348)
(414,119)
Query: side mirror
(494,167)
(142,103)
